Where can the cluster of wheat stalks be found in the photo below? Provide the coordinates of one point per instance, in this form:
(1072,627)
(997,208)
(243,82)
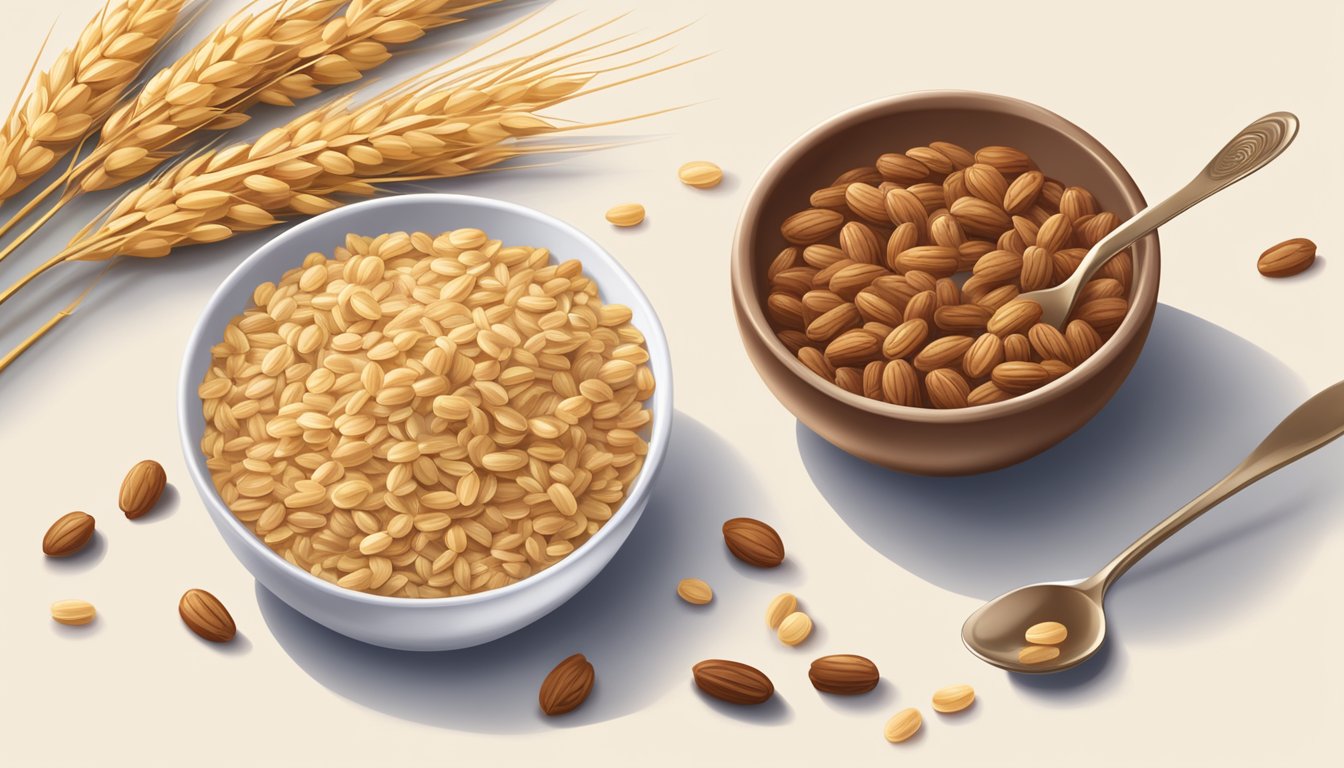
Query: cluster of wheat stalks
(274,55)
(472,113)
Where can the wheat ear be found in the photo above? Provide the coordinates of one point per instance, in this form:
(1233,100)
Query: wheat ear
(286,51)
(451,123)
(71,100)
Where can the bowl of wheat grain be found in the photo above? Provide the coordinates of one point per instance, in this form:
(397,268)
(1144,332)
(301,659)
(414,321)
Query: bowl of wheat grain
(877,269)
(426,421)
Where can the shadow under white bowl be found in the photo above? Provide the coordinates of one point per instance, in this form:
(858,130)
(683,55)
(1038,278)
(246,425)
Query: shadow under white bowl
(431,623)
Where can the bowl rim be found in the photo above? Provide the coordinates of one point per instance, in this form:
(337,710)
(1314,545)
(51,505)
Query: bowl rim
(197,344)
(751,309)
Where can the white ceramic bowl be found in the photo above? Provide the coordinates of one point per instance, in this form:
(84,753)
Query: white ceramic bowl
(432,623)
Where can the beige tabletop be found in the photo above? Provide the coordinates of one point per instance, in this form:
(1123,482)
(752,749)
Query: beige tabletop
(1224,647)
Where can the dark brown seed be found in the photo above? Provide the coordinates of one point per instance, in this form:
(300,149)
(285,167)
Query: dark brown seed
(844,674)
(566,686)
(205,615)
(754,542)
(732,681)
(68,535)
(141,489)
(1287,258)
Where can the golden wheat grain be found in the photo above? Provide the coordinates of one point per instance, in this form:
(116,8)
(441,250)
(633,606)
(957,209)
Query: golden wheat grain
(71,99)
(73,612)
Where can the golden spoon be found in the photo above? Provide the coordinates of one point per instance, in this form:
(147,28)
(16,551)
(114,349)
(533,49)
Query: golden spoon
(995,633)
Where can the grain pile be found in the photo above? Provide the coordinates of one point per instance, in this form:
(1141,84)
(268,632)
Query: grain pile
(900,283)
(424,416)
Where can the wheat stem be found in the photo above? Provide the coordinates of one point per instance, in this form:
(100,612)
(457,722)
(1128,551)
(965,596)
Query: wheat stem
(28,233)
(55,320)
(27,209)
(62,181)
(31,276)
(23,346)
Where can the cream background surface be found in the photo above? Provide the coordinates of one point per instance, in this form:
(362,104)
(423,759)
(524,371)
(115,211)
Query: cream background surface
(1224,647)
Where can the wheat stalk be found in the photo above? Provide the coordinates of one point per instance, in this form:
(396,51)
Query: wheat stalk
(287,51)
(54,320)
(449,122)
(73,98)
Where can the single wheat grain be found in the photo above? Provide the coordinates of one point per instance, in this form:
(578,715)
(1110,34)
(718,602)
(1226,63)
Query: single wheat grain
(73,612)
(626,214)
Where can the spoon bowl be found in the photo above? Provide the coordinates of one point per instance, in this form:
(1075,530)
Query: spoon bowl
(995,632)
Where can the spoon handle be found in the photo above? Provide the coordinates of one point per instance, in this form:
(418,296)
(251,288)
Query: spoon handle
(1250,150)
(1314,424)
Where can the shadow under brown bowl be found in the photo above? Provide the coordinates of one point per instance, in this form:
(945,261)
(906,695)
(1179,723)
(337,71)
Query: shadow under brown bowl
(925,440)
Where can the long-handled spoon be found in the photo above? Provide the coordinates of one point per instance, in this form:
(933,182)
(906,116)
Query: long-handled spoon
(1252,149)
(995,633)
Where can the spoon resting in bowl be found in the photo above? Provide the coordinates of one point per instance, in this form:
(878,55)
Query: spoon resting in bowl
(995,632)
(1249,151)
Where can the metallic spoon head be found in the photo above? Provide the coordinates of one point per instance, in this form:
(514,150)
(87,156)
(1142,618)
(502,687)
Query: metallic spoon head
(996,632)
(1056,302)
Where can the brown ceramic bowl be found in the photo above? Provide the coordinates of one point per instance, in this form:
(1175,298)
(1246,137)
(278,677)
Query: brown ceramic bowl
(925,440)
